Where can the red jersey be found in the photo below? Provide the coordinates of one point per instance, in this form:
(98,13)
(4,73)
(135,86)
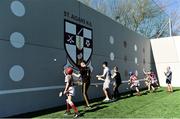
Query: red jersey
(133,78)
(153,75)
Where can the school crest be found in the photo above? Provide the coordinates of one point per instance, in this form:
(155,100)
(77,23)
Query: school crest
(78,43)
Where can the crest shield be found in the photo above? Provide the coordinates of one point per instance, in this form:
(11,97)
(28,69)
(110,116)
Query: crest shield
(78,43)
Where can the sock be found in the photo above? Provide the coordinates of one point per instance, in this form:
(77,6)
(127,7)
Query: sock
(68,106)
(74,107)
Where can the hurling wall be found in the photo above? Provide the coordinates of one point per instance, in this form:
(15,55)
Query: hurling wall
(33,51)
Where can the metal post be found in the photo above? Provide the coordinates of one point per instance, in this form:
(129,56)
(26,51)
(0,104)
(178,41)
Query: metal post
(170,27)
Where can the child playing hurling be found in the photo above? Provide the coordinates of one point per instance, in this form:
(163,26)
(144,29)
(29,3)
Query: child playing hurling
(69,92)
(134,83)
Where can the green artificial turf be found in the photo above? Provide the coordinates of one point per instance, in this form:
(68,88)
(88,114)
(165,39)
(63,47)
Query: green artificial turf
(150,105)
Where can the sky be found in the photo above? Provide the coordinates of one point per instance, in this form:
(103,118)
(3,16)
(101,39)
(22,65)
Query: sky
(172,5)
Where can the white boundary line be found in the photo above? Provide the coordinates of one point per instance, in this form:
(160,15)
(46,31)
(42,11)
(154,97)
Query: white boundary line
(12,91)
(3,92)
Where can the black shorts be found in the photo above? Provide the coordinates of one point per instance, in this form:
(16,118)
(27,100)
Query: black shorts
(118,84)
(154,84)
(168,81)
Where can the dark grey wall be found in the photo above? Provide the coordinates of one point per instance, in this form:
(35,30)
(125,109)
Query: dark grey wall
(42,26)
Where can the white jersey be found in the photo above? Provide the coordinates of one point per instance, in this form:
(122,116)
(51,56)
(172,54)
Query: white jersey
(106,73)
(71,90)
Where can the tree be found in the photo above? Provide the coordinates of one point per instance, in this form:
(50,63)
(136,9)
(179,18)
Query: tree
(175,18)
(142,16)
(101,6)
(169,7)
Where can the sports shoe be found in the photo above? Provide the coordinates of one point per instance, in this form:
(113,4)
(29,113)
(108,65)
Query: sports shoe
(88,107)
(76,115)
(138,94)
(113,99)
(67,113)
(106,100)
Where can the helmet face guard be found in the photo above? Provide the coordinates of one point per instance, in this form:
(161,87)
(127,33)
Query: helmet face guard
(130,73)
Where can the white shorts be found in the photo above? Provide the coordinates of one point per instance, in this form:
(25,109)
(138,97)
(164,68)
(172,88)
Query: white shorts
(71,91)
(135,84)
(153,81)
(106,84)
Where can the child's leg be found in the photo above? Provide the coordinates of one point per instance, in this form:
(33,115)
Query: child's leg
(149,86)
(72,104)
(137,90)
(105,88)
(171,88)
(68,106)
(109,94)
(152,87)
(106,93)
(117,89)
(85,87)
(131,90)
(168,89)
(114,91)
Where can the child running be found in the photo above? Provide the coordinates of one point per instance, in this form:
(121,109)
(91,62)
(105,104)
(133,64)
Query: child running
(133,81)
(117,77)
(154,80)
(149,80)
(69,92)
(106,78)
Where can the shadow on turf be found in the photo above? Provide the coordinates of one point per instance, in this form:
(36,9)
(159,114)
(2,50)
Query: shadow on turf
(142,93)
(95,107)
(158,91)
(92,110)
(176,90)
(129,96)
(98,104)
(49,111)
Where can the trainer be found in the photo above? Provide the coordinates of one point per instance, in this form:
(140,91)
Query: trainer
(86,77)
(168,75)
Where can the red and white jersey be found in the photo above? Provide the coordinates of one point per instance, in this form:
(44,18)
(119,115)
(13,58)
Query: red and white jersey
(70,90)
(153,75)
(69,79)
(133,78)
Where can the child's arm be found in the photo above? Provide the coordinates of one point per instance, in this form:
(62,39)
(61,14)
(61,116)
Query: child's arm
(99,78)
(64,73)
(168,73)
(144,71)
(114,74)
(129,81)
(76,75)
(66,88)
(67,85)
(151,77)
(103,75)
